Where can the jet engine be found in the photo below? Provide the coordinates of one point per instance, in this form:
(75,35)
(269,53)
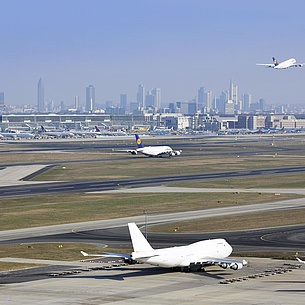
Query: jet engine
(236,266)
(223,265)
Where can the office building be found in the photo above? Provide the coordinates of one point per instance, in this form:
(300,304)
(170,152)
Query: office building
(141,97)
(41,106)
(1,98)
(246,102)
(123,101)
(76,102)
(90,99)
(156,92)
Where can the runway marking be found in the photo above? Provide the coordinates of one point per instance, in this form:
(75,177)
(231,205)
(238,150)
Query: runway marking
(281,242)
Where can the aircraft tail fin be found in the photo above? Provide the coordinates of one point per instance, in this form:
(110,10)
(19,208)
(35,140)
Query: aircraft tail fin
(274,61)
(139,242)
(97,129)
(139,141)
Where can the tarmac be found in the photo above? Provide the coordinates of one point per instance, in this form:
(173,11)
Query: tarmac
(263,281)
(13,175)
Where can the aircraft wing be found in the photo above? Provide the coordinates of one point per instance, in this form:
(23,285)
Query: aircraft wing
(225,263)
(107,254)
(131,151)
(297,65)
(266,65)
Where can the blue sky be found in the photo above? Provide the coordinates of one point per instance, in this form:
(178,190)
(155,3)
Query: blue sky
(177,45)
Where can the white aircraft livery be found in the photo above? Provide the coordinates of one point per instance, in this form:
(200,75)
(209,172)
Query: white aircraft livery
(299,260)
(153,151)
(282,65)
(193,257)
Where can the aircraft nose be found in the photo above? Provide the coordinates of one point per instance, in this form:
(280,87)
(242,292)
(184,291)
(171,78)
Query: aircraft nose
(229,248)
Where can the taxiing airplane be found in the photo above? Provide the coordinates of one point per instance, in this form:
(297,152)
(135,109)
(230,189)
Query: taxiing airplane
(153,151)
(193,257)
(282,65)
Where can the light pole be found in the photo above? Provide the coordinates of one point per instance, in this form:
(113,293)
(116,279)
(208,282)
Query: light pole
(145,216)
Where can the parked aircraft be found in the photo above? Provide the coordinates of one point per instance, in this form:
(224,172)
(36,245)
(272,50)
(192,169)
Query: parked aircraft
(153,151)
(291,62)
(193,257)
(16,135)
(56,133)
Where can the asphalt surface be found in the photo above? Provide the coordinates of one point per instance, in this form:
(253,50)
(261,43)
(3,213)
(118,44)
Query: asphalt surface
(263,281)
(103,185)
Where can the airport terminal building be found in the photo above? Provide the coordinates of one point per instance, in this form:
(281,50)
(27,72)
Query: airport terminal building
(148,121)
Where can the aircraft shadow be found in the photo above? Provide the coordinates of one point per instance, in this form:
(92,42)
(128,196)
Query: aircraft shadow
(140,272)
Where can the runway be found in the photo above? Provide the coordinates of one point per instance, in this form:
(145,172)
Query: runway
(103,185)
(264,281)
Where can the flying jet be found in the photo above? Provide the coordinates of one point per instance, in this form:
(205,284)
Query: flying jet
(193,257)
(153,151)
(291,62)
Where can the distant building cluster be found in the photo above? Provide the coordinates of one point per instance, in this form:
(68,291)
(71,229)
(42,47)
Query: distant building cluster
(228,111)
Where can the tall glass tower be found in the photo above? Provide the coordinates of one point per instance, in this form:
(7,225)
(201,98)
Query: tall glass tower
(41,106)
(141,96)
(90,98)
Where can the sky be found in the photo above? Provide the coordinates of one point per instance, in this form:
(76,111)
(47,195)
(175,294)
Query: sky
(175,45)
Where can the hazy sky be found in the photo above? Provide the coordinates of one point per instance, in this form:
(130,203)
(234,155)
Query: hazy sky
(177,45)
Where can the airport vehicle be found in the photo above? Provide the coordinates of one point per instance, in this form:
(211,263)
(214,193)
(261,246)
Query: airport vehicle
(193,257)
(291,62)
(153,151)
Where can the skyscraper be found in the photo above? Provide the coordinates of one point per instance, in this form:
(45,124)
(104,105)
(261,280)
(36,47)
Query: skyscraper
(1,98)
(201,98)
(246,102)
(141,96)
(156,92)
(209,100)
(123,101)
(41,106)
(2,105)
(76,102)
(90,98)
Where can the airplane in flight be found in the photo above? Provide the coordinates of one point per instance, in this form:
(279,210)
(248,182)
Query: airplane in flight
(193,257)
(153,151)
(291,62)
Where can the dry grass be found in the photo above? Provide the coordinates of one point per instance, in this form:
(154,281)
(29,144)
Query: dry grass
(57,209)
(237,222)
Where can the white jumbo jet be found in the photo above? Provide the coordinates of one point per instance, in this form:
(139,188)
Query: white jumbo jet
(193,257)
(153,151)
(291,62)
